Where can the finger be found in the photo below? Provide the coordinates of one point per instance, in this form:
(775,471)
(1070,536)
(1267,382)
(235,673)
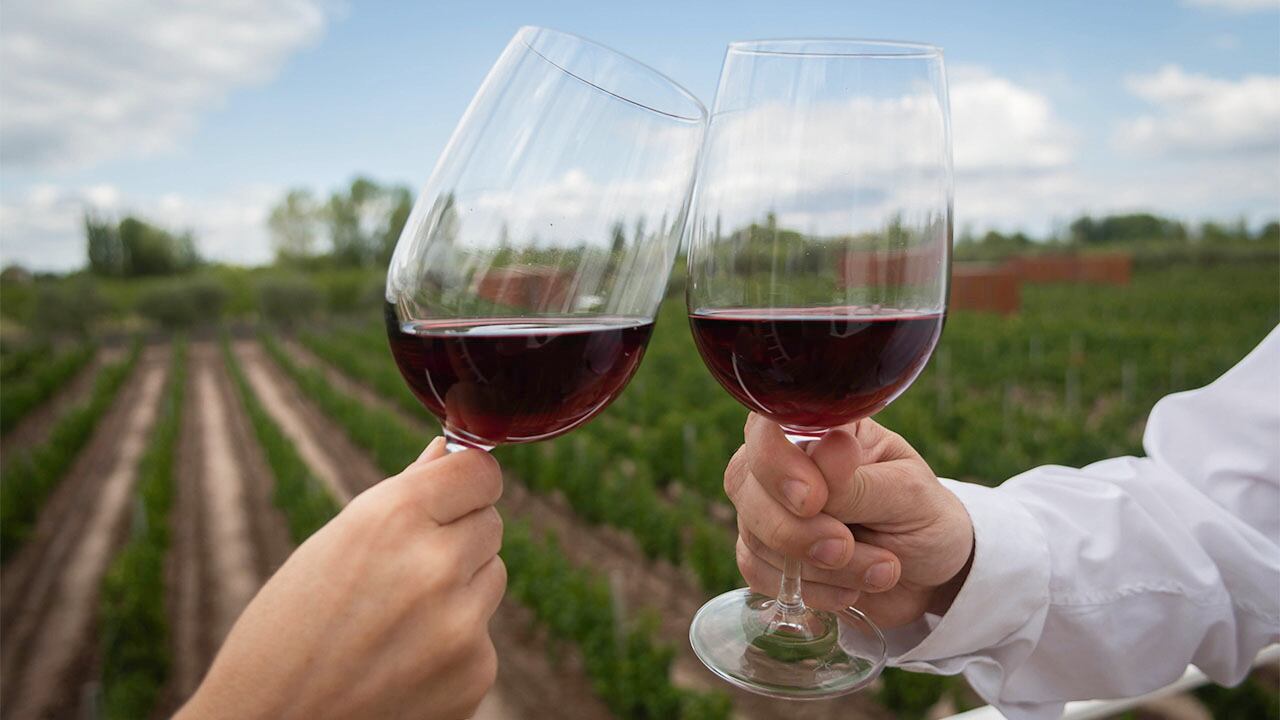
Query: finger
(765,579)
(435,450)
(889,610)
(870,569)
(736,472)
(452,485)
(782,468)
(821,539)
(471,541)
(487,587)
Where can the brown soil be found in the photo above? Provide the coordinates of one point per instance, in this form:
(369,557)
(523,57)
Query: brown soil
(36,426)
(641,583)
(227,536)
(50,594)
(336,462)
(528,685)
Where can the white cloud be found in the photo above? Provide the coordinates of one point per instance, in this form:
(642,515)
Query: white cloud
(1000,126)
(87,80)
(43,229)
(1199,113)
(1240,6)
(868,159)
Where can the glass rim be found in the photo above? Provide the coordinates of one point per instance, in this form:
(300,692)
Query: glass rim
(526,32)
(837,47)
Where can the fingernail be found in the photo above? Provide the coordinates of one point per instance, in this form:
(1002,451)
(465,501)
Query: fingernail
(850,598)
(795,491)
(829,552)
(880,575)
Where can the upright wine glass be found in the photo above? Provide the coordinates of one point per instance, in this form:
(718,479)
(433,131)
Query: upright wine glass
(522,292)
(820,238)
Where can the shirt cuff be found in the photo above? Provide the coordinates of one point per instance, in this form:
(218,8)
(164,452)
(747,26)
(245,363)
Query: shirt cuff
(1007,586)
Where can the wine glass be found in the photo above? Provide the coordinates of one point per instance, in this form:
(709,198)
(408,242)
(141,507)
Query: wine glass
(820,236)
(522,291)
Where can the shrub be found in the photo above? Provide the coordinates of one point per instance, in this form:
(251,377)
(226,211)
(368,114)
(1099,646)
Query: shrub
(288,299)
(24,394)
(179,304)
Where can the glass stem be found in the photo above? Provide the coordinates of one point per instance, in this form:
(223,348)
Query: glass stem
(789,599)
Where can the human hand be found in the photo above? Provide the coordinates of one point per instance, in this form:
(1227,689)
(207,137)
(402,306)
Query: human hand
(863,511)
(382,613)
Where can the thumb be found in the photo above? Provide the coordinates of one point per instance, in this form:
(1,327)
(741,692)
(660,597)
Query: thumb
(862,491)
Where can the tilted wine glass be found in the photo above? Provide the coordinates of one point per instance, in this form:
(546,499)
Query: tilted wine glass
(523,289)
(819,257)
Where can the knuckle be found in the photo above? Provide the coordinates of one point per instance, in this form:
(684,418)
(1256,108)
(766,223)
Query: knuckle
(854,497)
(487,667)
(778,533)
(492,524)
(735,473)
(916,486)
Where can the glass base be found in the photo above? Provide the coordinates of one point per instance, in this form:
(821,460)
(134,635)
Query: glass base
(753,642)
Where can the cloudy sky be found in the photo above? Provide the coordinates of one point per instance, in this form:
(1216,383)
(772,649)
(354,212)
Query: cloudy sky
(199,114)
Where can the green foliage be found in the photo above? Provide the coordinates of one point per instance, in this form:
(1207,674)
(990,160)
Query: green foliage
(288,299)
(179,304)
(68,307)
(306,504)
(629,670)
(136,248)
(46,376)
(29,478)
(911,694)
(16,361)
(1250,699)
(135,631)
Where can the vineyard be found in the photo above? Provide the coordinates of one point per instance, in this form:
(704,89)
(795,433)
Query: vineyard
(152,481)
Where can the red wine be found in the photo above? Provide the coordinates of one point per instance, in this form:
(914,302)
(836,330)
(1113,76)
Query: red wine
(812,369)
(512,380)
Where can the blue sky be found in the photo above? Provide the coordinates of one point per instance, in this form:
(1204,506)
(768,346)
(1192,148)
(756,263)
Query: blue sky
(202,117)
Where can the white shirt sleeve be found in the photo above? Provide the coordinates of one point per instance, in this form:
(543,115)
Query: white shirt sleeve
(1106,581)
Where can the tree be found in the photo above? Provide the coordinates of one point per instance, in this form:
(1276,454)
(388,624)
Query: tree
(135,247)
(365,222)
(401,201)
(294,224)
(106,255)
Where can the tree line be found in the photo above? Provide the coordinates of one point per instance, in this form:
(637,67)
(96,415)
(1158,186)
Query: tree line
(357,226)
(1132,231)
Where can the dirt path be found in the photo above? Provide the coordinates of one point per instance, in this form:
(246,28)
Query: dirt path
(324,448)
(227,536)
(642,582)
(36,426)
(51,591)
(527,686)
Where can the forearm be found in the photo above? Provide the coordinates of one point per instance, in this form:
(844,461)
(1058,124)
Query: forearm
(1101,582)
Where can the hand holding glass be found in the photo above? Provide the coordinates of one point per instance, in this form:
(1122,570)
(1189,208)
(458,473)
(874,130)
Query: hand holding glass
(820,238)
